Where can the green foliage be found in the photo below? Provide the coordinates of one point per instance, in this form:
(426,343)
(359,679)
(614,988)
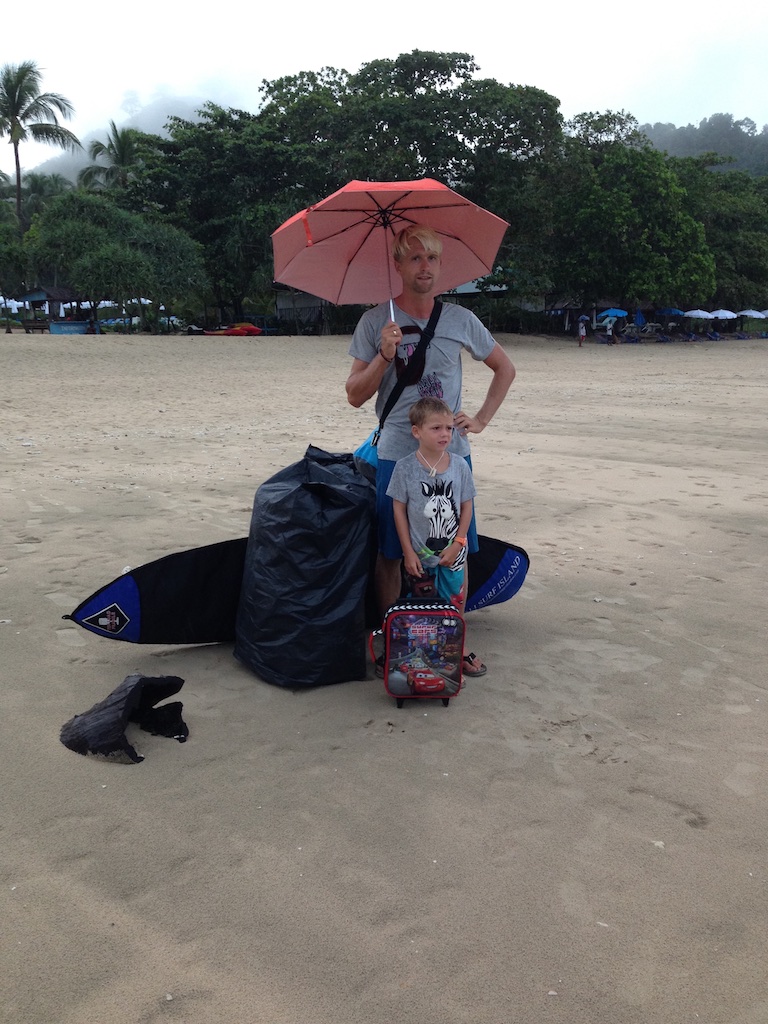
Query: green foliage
(115,162)
(621,228)
(28,113)
(729,141)
(732,208)
(85,241)
(11,260)
(37,190)
(221,181)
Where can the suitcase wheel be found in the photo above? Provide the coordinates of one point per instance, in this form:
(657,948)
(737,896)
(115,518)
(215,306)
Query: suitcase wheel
(399,702)
(446,702)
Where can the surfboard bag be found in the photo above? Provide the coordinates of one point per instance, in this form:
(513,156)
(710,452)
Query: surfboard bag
(187,597)
(422,647)
(301,615)
(494,573)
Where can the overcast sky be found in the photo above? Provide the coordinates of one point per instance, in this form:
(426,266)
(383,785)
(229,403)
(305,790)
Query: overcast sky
(661,61)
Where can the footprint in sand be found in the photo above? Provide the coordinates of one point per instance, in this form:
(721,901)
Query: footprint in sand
(27,544)
(71,638)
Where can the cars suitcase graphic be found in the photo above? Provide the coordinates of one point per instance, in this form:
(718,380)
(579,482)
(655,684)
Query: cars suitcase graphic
(420,647)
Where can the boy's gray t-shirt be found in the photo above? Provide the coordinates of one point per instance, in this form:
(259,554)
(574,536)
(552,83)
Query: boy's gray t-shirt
(457,329)
(433,503)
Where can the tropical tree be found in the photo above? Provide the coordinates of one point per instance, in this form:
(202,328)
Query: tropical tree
(115,162)
(223,181)
(88,243)
(27,113)
(622,225)
(11,260)
(37,190)
(733,208)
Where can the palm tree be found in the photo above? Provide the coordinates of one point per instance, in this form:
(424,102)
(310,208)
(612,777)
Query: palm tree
(121,155)
(26,113)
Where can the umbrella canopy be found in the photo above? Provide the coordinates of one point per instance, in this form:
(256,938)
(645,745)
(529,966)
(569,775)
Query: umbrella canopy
(340,248)
(723,314)
(670,311)
(755,314)
(612,312)
(698,314)
(640,320)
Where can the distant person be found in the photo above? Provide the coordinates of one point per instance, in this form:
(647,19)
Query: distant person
(582,332)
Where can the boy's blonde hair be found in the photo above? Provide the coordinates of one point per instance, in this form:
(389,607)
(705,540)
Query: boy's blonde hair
(403,242)
(425,407)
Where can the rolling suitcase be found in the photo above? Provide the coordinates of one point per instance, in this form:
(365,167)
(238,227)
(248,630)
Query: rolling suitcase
(420,647)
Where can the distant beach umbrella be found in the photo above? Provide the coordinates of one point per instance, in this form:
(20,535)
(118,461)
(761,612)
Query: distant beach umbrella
(754,314)
(699,314)
(723,314)
(612,312)
(670,311)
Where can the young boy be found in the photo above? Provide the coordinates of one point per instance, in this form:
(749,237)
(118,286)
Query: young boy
(432,491)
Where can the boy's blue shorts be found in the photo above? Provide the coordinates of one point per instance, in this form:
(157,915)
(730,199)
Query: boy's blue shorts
(389,542)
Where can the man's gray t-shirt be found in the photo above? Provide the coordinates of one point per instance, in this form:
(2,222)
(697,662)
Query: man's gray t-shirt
(433,502)
(457,329)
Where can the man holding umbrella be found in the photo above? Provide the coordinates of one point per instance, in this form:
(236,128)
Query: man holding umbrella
(383,342)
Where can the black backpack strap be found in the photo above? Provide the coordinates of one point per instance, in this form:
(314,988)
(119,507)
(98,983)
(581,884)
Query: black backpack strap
(426,336)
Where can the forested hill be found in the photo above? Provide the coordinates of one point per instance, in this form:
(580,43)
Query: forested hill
(740,141)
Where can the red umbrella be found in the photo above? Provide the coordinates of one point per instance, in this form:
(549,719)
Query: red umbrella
(340,248)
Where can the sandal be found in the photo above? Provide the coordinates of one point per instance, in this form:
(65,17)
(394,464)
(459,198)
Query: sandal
(472,666)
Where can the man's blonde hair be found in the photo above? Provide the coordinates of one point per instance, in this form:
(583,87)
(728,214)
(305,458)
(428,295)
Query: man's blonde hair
(425,407)
(404,240)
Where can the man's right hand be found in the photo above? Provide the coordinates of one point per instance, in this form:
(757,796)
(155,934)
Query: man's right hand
(390,338)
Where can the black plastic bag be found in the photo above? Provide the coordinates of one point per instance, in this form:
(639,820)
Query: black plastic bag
(301,620)
(100,731)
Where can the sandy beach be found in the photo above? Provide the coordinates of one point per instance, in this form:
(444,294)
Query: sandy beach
(580,838)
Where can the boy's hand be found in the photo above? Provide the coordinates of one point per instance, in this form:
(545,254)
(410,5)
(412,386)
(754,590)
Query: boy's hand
(449,555)
(412,564)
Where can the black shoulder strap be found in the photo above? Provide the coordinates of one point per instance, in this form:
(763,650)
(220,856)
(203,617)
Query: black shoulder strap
(426,336)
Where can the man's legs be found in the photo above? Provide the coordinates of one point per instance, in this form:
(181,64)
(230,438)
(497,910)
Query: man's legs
(387,578)
(387,582)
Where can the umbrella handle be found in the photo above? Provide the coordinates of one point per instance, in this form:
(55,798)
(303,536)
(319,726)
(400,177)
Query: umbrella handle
(391,309)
